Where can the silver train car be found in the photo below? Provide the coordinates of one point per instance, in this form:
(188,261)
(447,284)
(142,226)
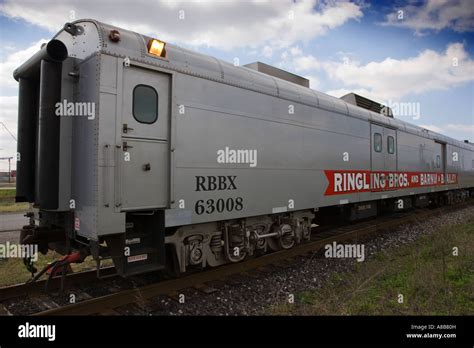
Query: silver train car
(161,158)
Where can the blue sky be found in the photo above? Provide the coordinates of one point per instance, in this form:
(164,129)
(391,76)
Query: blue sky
(18,34)
(341,46)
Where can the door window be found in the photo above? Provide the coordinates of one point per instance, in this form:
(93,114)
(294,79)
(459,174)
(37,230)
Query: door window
(391,145)
(145,104)
(377,142)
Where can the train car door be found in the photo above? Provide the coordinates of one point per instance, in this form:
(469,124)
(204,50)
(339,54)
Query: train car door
(145,139)
(383,145)
(377,158)
(390,149)
(440,158)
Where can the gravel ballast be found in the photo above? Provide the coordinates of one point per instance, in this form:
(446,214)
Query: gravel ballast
(255,293)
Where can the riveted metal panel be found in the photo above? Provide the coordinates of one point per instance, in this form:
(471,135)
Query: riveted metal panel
(224,107)
(85,151)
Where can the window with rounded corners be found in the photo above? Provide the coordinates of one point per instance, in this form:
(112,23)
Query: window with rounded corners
(377,142)
(145,104)
(391,145)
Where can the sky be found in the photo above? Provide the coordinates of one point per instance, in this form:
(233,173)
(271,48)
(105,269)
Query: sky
(416,56)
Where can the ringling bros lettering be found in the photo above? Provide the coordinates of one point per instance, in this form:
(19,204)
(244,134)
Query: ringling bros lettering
(350,181)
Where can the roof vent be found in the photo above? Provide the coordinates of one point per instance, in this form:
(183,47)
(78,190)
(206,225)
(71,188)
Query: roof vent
(275,72)
(368,104)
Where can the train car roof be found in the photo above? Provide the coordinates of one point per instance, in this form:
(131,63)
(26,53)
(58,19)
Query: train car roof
(91,36)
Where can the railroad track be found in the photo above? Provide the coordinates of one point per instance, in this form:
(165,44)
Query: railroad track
(107,303)
(30,289)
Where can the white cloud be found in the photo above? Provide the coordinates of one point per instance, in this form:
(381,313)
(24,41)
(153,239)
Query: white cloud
(305,63)
(455,130)
(296,51)
(392,79)
(224,24)
(9,100)
(314,82)
(267,52)
(13,61)
(435,15)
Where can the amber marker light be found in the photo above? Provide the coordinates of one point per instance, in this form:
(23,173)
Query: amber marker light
(157,48)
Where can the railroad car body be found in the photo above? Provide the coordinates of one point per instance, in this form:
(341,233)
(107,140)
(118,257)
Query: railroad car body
(140,150)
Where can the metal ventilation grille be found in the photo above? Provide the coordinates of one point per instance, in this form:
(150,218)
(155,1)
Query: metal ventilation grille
(368,104)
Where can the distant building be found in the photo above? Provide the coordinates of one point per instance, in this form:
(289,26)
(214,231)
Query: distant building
(4,177)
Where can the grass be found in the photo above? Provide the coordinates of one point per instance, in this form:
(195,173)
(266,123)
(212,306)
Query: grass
(13,271)
(12,207)
(7,202)
(431,279)
(7,193)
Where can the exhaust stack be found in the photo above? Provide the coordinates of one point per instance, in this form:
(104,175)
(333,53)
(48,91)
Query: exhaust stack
(38,126)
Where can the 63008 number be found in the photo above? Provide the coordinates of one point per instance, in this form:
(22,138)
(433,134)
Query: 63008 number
(218,205)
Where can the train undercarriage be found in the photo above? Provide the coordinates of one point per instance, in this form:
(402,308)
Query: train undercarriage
(147,246)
